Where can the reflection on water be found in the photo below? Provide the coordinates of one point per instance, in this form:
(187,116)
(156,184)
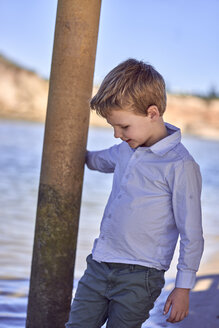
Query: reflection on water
(20,149)
(13,302)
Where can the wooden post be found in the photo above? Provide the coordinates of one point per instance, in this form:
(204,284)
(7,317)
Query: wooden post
(63,163)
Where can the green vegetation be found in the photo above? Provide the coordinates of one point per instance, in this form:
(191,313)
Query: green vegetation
(212,94)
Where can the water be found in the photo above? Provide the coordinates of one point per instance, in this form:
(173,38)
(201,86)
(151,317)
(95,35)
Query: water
(20,149)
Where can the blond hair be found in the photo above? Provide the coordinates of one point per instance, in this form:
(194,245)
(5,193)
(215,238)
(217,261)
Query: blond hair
(132,84)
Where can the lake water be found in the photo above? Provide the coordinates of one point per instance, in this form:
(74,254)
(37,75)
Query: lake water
(20,159)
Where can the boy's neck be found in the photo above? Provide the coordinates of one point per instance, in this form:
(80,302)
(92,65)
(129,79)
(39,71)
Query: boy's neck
(159,132)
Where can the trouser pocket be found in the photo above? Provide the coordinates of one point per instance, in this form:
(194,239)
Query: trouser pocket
(155,282)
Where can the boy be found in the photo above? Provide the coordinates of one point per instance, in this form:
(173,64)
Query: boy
(155,197)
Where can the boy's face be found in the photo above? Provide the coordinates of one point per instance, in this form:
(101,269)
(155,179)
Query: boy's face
(135,129)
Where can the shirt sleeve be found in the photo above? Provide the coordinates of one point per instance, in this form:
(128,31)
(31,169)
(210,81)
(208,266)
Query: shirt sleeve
(103,160)
(186,200)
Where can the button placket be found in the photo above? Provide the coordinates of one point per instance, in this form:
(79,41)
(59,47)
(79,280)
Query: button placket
(127,173)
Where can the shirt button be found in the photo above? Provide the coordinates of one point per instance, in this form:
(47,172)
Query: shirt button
(136,156)
(110,215)
(102,237)
(127,175)
(119,196)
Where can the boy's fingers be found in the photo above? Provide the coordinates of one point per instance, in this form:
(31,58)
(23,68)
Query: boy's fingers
(183,315)
(178,317)
(167,306)
(172,316)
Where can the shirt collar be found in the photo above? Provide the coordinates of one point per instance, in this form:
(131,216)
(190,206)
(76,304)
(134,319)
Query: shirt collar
(166,144)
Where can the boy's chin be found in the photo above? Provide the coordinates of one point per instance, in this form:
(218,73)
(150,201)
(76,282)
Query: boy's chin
(133,145)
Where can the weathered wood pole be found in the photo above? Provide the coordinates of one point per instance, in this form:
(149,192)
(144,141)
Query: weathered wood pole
(62,167)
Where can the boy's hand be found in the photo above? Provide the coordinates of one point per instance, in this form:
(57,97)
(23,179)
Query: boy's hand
(179,300)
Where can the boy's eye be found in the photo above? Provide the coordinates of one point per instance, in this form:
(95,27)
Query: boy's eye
(125,127)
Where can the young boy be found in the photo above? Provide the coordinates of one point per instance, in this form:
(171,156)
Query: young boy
(155,197)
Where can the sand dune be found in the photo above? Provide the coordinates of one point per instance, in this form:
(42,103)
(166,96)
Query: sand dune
(23,95)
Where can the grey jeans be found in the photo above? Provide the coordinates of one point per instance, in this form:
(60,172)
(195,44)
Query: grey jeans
(121,294)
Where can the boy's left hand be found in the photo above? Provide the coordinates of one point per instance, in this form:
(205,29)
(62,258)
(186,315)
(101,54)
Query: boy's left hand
(179,300)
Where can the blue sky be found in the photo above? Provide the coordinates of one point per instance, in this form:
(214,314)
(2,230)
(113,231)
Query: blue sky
(180,38)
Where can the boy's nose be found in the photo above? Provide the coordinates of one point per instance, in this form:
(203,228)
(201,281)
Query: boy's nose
(117,133)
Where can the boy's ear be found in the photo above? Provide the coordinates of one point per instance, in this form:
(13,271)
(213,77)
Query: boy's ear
(153,112)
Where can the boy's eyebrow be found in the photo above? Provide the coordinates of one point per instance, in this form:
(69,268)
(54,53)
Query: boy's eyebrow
(124,124)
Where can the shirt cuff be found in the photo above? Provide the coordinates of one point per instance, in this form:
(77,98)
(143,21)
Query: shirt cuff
(185,279)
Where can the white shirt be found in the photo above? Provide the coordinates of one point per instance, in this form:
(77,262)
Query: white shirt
(155,197)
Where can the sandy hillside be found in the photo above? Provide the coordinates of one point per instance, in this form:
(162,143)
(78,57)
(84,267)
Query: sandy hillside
(23,95)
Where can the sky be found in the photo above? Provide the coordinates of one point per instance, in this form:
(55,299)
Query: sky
(180,38)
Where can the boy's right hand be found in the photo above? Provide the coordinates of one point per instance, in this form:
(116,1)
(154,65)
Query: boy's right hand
(179,301)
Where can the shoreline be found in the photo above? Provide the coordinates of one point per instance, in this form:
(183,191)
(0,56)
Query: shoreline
(24,96)
(99,123)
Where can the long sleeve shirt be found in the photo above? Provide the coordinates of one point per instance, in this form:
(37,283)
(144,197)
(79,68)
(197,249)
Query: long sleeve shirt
(155,198)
